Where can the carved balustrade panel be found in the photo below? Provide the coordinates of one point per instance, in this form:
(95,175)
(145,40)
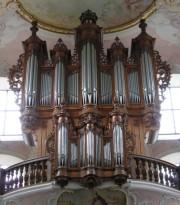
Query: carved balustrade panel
(24,174)
(154,170)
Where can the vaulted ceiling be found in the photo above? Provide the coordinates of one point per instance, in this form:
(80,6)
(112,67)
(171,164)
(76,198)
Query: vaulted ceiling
(118,18)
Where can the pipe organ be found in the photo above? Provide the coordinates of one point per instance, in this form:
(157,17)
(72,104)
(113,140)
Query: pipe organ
(89,111)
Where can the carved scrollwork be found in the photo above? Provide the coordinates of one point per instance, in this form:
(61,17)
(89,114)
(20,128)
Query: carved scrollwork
(90,181)
(50,145)
(29,120)
(15,78)
(130,145)
(61,177)
(59,52)
(47,63)
(118,51)
(103,58)
(152,121)
(163,74)
(130,60)
(90,120)
(75,58)
(88,16)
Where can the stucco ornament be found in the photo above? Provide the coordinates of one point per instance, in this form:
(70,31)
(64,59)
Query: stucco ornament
(171,5)
(168,198)
(14,201)
(7,5)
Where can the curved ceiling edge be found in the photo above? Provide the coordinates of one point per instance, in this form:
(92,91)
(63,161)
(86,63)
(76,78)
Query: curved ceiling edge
(29,17)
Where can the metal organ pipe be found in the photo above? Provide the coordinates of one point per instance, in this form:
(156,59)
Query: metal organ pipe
(89,73)
(46,87)
(90,148)
(31,81)
(98,150)
(106,88)
(73,94)
(119,81)
(62,146)
(147,78)
(118,145)
(74,154)
(59,83)
(133,87)
(82,150)
(107,154)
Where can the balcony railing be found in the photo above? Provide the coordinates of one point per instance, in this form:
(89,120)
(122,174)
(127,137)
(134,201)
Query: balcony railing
(24,174)
(38,171)
(155,170)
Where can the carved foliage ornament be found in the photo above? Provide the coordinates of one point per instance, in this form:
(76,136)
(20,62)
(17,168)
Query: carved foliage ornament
(29,120)
(103,58)
(152,121)
(15,78)
(50,145)
(130,144)
(163,74)
(75,58)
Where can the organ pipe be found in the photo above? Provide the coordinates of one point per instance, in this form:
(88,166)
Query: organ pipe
(133,87)
(119,81)
(98,150)
(89,74)
(31,80)
(90,148)
(59,83)
(46,89)
(62,146)
(74,154)
(106,88)
(147,77)
(107,154)
(118,145)
(82,150)
(73,88)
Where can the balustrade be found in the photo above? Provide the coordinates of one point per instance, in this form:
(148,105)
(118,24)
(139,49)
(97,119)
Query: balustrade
(36,171)
(23,174)
(155,170)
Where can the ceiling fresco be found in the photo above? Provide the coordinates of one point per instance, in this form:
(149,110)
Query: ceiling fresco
(63,16)
(163,24)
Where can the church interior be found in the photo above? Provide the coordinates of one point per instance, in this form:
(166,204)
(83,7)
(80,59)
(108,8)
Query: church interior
(89,102)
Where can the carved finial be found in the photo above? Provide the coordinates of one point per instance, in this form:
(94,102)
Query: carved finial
(34,28)
(143,25)
(116,103)
(117,39)
(63,101)
(60,44)
(117,42)
(88,17)
(60,41)
(115,99)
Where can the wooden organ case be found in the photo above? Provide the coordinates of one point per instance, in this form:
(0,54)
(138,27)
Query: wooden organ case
(89,111)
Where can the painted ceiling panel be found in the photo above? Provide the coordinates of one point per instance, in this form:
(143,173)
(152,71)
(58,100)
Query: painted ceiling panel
(163,24)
